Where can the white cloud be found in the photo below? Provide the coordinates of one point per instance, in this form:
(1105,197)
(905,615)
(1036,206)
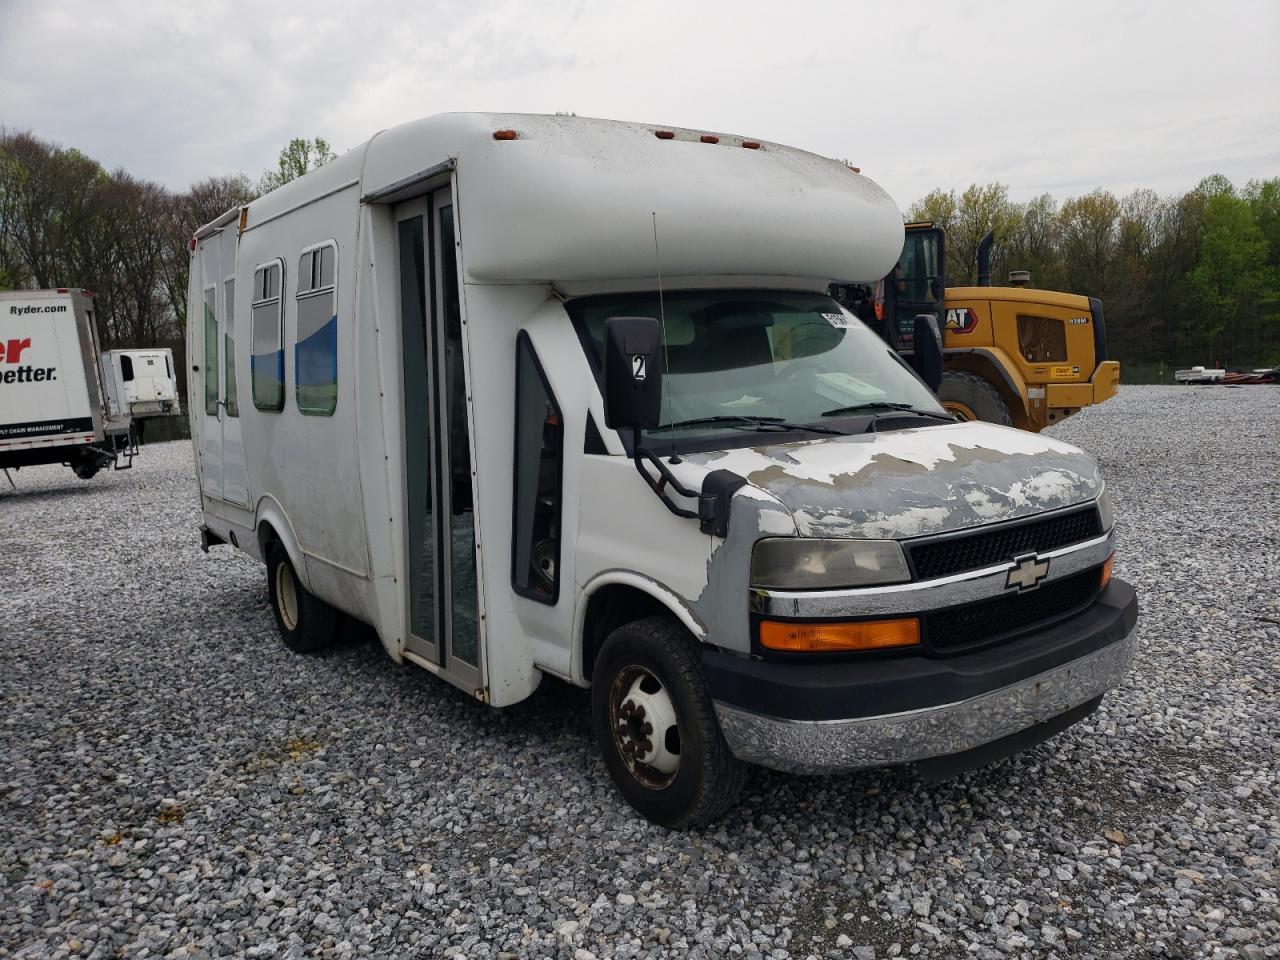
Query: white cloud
(1061,97)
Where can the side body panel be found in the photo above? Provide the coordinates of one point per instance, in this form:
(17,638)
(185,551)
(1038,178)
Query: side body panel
(302,469)
(49,385)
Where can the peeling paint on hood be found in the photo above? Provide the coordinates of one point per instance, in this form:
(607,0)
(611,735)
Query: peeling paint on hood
(912,483)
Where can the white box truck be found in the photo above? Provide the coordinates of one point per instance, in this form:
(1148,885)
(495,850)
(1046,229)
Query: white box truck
(558,396)
(52,406)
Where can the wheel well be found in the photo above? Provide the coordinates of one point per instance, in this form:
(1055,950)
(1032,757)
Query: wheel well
(609,608)
(987,369)
(266,536)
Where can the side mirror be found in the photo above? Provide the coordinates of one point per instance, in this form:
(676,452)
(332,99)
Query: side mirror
(926,347)
(632,373)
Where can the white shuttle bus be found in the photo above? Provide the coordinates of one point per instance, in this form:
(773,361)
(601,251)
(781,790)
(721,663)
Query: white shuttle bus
(549,395)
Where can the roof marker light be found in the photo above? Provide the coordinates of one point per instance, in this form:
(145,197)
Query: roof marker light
(505,135)
(664,134)
(855,169)
(709,138)
(751,144)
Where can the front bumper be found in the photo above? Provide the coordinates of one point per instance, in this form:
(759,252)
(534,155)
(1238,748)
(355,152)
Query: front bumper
(824,718)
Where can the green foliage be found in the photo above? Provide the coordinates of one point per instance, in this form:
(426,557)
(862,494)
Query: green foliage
(1232,285)
(298,157)
(1190,279)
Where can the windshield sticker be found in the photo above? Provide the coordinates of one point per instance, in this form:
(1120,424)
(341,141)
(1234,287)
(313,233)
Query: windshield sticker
(746,400)
(836,319)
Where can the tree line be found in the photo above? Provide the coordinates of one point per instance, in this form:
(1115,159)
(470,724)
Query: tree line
(1189,279)
(1184,280)
(65,221)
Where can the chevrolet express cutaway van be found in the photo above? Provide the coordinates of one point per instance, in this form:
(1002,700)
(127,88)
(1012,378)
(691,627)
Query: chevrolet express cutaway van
(550,395)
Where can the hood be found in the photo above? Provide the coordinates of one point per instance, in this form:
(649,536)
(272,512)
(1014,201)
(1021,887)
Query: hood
(913,483)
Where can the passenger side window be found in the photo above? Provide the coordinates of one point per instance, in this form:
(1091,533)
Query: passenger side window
(538,466)
(315,361)
(266,361)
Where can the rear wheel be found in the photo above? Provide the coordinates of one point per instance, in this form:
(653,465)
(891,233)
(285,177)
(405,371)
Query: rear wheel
(306,622)
(973,398)
(657,729)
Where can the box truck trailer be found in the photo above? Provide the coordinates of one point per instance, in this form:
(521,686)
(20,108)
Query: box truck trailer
(52,405)
(558,396)
(140,383)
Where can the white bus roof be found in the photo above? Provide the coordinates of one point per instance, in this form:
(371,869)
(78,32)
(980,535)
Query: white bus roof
(570,201)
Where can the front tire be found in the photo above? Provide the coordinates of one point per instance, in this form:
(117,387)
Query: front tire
(307,624)
(973,398)
(657,728)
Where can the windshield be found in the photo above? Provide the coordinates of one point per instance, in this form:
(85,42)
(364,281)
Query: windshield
(741,358)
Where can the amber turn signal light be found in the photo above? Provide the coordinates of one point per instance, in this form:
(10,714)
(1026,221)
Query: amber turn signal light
(1106,570)
(837,637)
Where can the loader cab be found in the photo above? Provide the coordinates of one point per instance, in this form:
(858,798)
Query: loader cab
(916,285)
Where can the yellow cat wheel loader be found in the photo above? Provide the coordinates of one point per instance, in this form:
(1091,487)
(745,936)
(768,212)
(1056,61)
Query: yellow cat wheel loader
(1013,355)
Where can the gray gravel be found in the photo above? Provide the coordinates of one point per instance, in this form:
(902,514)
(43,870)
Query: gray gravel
(173,783)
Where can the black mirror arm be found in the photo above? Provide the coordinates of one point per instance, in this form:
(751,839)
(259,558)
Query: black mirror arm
(643,455)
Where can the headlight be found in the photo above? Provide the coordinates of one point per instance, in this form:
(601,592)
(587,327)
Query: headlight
(1104,509)
(796,563)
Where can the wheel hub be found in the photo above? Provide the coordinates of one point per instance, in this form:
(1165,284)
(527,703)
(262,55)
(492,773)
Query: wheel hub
(955,406)
(286,596)
(646,729)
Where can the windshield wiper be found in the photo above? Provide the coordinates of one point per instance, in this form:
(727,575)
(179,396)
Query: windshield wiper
(748,423)
(883,405)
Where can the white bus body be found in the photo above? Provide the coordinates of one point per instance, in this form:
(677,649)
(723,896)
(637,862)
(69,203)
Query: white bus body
(411,334)
(52,406)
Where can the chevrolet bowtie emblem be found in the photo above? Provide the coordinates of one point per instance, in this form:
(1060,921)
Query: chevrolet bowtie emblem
(1027,573)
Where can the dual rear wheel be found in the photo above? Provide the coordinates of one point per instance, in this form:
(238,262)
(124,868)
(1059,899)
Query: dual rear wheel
(307,624)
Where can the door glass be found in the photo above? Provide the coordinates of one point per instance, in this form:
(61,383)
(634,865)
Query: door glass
(211,352)
(229,358)
(462,551)
(417,420)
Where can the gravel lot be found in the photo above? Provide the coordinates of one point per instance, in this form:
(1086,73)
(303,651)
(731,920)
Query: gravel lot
(174,783)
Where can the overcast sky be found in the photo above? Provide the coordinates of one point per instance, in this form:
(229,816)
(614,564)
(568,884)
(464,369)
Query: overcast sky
(1058,97)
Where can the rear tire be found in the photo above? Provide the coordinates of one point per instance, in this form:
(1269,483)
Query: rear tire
(973,398)
(657,728)
(307,624)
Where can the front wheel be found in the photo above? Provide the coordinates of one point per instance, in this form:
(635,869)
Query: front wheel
(657,729)
(973,398)
(307,624)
